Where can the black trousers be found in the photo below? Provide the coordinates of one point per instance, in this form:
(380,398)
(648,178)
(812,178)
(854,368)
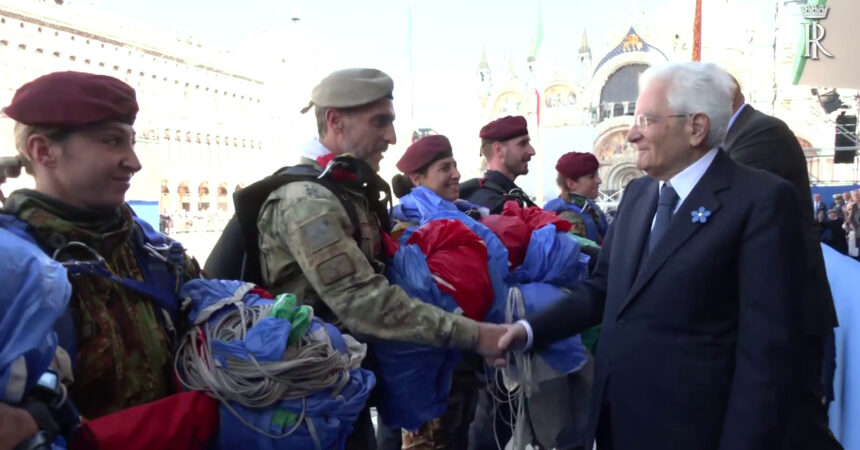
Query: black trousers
(362,437)
(808,424)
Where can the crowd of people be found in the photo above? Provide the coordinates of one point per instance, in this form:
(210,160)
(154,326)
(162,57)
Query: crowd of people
(840,221)
(686,323)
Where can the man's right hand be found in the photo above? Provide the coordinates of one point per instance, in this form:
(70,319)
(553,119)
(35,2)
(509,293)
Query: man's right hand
(16,426)
(488,341)
(494,341)
(515,337)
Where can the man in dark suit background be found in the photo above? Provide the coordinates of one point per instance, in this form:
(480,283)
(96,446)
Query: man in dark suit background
(818,205)
(695,285)
(764,142)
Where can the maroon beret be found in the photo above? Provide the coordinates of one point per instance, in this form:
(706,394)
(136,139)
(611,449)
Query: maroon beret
(423,152)
(576,164)
(72,99)
(505,128)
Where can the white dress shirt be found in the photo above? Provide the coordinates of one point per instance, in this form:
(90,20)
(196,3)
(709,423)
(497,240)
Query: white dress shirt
(313,149)
(735,116)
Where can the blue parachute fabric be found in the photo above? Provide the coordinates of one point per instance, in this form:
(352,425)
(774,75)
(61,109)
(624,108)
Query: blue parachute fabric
(414,380)
(266,341)
(552,257)
(35,294)
(205,298)
(567,355)
(553,262)
(321,420)
(324,418)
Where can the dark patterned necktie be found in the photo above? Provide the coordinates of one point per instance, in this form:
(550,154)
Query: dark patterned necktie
(665,207)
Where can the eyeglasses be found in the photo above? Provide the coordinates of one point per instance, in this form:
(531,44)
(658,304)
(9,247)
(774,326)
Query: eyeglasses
(642,121)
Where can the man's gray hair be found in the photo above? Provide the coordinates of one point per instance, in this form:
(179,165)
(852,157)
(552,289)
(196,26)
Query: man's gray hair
(696,88)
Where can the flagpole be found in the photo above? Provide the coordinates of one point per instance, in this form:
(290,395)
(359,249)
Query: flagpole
(539,150)
(697,32)
(411,70)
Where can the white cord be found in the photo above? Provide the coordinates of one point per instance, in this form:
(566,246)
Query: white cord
(310,366)
(524,363)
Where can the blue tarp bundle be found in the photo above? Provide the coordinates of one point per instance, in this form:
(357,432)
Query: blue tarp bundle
(324,418)
(35,293)
(415,380)
(406,372)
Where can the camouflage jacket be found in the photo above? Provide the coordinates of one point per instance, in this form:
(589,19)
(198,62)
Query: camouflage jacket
(307,248)
(124,355)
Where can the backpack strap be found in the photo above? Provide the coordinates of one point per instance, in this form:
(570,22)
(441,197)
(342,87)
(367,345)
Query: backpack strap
(243,226)
(160,259)
(515,194)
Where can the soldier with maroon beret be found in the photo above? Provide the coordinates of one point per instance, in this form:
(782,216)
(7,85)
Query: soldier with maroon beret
(506,145)
(74,133)
(417,163)
(579,183)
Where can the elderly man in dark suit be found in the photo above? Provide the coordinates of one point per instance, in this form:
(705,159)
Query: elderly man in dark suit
(764,142)
(695,285)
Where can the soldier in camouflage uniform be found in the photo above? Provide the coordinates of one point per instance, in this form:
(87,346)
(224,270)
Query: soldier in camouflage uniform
(306,236)
(74,134)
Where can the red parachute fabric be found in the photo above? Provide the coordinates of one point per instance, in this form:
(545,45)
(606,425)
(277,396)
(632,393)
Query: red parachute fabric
(535,218)
(457,259)
(513,233)
(515,225)
(188,420)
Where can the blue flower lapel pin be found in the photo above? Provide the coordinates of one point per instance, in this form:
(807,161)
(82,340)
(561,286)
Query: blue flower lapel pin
(700,215)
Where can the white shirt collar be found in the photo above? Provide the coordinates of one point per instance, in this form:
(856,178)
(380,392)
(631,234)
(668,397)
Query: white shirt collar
(313,149)
(685,180)
(735,116)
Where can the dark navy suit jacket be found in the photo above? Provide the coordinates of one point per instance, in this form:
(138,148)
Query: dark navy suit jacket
(698,337)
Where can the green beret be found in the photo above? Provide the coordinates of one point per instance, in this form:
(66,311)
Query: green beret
(349,88)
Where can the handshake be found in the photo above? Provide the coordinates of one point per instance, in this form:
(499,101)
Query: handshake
(494,341)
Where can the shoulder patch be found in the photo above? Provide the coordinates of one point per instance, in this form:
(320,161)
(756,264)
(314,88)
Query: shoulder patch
(335,269)
(319,233)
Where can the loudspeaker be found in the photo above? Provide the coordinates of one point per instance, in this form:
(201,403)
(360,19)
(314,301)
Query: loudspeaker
(830,101)
(846,136)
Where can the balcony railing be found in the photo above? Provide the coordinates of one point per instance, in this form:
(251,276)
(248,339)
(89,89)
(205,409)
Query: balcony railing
(822,169)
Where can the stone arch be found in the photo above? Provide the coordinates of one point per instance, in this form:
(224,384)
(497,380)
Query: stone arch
(612,146)
(223,196)
(203,196)
(620,174)
(617,156)
(559,95)
(164,200)
(602,75)
(509,103)
(618,94)
(184,195)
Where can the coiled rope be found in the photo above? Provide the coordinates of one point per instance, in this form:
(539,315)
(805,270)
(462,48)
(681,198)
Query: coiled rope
(310,366)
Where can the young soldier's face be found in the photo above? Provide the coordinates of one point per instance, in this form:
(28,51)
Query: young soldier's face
(516,154)
(442,177)
(586,185)
(94,166)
